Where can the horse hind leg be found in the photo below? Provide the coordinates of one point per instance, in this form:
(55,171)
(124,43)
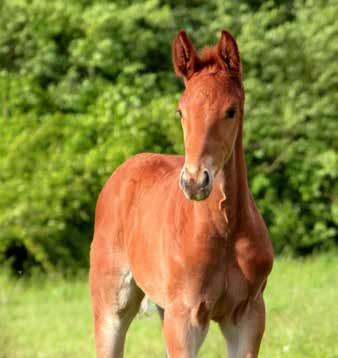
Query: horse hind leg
(116,300)
(160,311)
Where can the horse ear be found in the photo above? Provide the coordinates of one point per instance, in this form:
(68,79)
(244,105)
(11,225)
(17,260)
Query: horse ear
(184,56)
(228,51)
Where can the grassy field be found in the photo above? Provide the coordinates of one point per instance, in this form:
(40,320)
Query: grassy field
(51,317)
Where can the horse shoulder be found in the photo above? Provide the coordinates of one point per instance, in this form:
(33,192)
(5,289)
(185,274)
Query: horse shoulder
(254,251)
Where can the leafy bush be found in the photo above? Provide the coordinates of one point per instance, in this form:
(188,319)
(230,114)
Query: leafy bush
(86,84)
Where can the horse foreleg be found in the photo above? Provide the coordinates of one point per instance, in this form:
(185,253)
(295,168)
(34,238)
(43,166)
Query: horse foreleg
(184,332)
(114,308)
(244,336)
(115,299)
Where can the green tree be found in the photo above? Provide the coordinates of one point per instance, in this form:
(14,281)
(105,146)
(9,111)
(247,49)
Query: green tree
(85,84)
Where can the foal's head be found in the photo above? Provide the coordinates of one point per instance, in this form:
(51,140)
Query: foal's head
(211,109)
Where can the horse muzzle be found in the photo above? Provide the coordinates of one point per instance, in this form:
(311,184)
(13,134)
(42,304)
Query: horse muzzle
(196,185)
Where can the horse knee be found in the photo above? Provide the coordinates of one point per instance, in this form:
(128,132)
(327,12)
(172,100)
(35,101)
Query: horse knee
(200,314)
(185,328)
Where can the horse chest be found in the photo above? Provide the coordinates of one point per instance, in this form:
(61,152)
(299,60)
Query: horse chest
(225,277)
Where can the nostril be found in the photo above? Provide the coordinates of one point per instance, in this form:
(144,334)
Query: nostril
(206,179)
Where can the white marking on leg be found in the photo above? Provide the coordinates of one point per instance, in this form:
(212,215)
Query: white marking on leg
(145,306)
(125,290)
(110,331)
(117,318)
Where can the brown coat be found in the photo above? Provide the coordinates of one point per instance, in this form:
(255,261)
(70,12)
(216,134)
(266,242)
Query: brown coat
(199,259)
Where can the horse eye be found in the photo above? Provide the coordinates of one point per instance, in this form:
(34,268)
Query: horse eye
(179,113)
(231,113)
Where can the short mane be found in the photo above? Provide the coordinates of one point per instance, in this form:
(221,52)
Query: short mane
(209,57)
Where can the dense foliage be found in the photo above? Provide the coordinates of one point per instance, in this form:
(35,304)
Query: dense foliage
(84,84)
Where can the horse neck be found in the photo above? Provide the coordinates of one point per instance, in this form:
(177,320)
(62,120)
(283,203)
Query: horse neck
(235,185)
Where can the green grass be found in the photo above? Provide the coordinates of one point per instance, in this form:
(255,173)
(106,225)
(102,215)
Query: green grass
(51,317)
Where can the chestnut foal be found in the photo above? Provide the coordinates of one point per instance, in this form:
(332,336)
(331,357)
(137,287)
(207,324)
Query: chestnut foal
(185,231)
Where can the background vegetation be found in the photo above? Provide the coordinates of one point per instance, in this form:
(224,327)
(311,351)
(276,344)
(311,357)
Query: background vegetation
(84,84)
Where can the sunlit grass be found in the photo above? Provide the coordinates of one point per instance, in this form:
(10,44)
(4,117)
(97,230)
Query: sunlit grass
(52,318)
